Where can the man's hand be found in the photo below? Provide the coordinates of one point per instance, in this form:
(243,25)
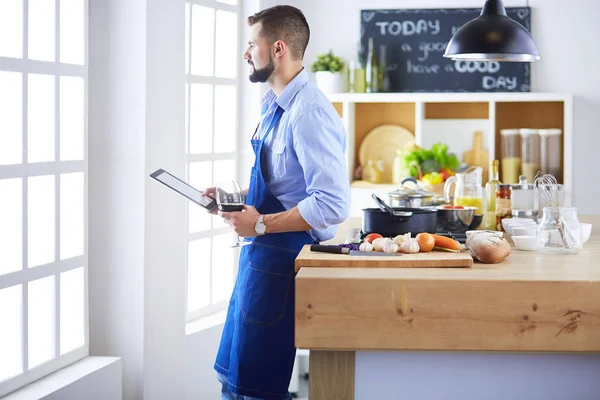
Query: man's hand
(211,192)
(242,222)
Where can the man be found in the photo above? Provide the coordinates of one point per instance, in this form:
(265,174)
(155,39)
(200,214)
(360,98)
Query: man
(298,192)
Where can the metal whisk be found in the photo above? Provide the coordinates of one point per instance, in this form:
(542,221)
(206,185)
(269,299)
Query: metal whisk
(547,189)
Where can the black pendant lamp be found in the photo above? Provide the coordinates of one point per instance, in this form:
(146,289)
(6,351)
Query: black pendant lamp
(492,37)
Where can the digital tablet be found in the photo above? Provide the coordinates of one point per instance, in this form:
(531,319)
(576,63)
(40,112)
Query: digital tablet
(183,189)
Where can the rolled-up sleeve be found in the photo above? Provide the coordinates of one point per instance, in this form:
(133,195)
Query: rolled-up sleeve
(320,143)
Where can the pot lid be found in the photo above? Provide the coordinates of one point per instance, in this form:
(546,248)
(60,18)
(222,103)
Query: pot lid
(405,193)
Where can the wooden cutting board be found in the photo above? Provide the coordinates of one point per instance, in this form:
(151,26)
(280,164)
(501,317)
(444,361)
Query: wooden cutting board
(478,155)
(433,259)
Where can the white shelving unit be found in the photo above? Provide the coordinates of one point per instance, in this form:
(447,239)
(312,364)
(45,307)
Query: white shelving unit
(503,111)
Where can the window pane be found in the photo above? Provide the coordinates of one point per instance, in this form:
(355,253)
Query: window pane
(40,118)
(41,220)
(71,118)
(11,26)
(11,117)
(41,320)
(198,274)
(187,38)
(11,223)
(222,266)
(187,118)
(41,30)
(71,32)
(200,177)
(203,40)
(225,118)
(224,170)
(232,2)
(71,310)
(227,57)
(201,119)
(71,215)
(11,342)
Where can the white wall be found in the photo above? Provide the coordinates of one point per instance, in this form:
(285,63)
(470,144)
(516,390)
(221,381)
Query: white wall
(569,62)
(137,230)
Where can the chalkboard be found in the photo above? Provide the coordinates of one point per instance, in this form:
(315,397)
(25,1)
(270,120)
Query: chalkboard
(415,41)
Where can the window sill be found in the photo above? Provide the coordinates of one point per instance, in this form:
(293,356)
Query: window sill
(62,378)
(206,322)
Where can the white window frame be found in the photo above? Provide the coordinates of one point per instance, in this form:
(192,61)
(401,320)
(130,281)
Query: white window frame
(213,308)
(22,277)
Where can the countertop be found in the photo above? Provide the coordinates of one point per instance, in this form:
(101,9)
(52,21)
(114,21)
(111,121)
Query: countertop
(529,302)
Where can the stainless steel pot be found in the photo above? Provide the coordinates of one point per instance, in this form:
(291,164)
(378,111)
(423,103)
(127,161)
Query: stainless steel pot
(410,198)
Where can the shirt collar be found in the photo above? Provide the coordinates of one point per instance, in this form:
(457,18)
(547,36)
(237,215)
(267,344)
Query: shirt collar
(288,93)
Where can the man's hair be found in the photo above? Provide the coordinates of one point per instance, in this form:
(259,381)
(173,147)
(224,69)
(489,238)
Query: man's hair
(285,23)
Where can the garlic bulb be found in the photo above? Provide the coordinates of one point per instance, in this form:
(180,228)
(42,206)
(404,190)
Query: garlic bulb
(379,243)
(410,246)
(366,246)
(390,247)
(400,239)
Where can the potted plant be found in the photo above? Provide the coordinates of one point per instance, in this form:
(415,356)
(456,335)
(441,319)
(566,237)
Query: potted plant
(328,71)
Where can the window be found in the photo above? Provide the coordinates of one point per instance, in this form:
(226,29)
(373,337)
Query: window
(43,188)
(212,60)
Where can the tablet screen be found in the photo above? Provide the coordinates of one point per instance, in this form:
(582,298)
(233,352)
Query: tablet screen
(183,188)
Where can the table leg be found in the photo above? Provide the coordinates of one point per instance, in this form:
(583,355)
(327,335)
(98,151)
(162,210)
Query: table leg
(331,375)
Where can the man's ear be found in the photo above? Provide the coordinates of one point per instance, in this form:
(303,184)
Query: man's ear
(279,48)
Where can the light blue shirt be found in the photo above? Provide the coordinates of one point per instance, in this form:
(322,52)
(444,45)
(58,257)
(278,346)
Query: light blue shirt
(303,160)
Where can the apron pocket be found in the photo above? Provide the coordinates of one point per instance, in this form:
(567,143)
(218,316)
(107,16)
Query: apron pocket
(265,296)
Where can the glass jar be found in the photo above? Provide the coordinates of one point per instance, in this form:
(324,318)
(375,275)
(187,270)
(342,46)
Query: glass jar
(551,152)
(503,204)
(559,231)
(511,155)
(530,150)
(371,173)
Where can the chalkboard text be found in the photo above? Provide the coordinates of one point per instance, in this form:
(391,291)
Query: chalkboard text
(409,28)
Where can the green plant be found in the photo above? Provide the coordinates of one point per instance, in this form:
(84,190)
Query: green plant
(327,62)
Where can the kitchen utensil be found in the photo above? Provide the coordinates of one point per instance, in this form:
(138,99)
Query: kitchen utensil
(343,250)
(477,155)
(381,144)
(468,190)
(432,259)
(411,198)
(390,222)
(546,188)
(454,220)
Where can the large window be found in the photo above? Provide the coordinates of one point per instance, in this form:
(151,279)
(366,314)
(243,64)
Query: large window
(43,188)
(212,62)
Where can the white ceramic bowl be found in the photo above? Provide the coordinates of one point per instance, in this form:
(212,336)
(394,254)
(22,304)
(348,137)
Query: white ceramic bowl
(528,243)
(586,231)
(527,230)
(509,223)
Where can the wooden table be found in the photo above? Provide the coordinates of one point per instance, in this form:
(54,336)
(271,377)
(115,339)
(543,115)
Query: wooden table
(530,302)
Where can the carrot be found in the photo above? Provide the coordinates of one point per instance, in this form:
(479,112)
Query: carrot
(446,243)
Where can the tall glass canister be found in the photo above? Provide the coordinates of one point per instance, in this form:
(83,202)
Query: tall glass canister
(511,155)
(530,150)
(551,152)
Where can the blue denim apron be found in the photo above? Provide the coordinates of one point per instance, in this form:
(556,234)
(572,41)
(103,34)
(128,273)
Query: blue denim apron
(257,345)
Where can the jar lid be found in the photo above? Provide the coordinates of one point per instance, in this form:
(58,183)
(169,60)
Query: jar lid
(528,132)
(521,186)
(506,132)
(550,132)
(504,186)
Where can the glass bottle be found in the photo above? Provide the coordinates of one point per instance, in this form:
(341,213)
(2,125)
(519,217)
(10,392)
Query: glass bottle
(490,196)
(385,84)
(371,173)
(371,68)
(503,204)
(560,231)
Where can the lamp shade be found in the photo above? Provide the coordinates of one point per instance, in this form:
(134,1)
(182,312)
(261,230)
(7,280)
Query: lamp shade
(492,36)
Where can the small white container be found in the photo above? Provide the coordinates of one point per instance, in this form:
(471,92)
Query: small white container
(524,230)
(526,243)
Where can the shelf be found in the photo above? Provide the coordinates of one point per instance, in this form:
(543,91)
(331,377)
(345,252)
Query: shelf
(446,97)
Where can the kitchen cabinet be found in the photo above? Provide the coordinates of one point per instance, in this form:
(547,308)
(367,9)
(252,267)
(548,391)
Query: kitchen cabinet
(452,118)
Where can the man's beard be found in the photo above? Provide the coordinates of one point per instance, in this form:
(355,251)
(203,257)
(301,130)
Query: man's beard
(263,74)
